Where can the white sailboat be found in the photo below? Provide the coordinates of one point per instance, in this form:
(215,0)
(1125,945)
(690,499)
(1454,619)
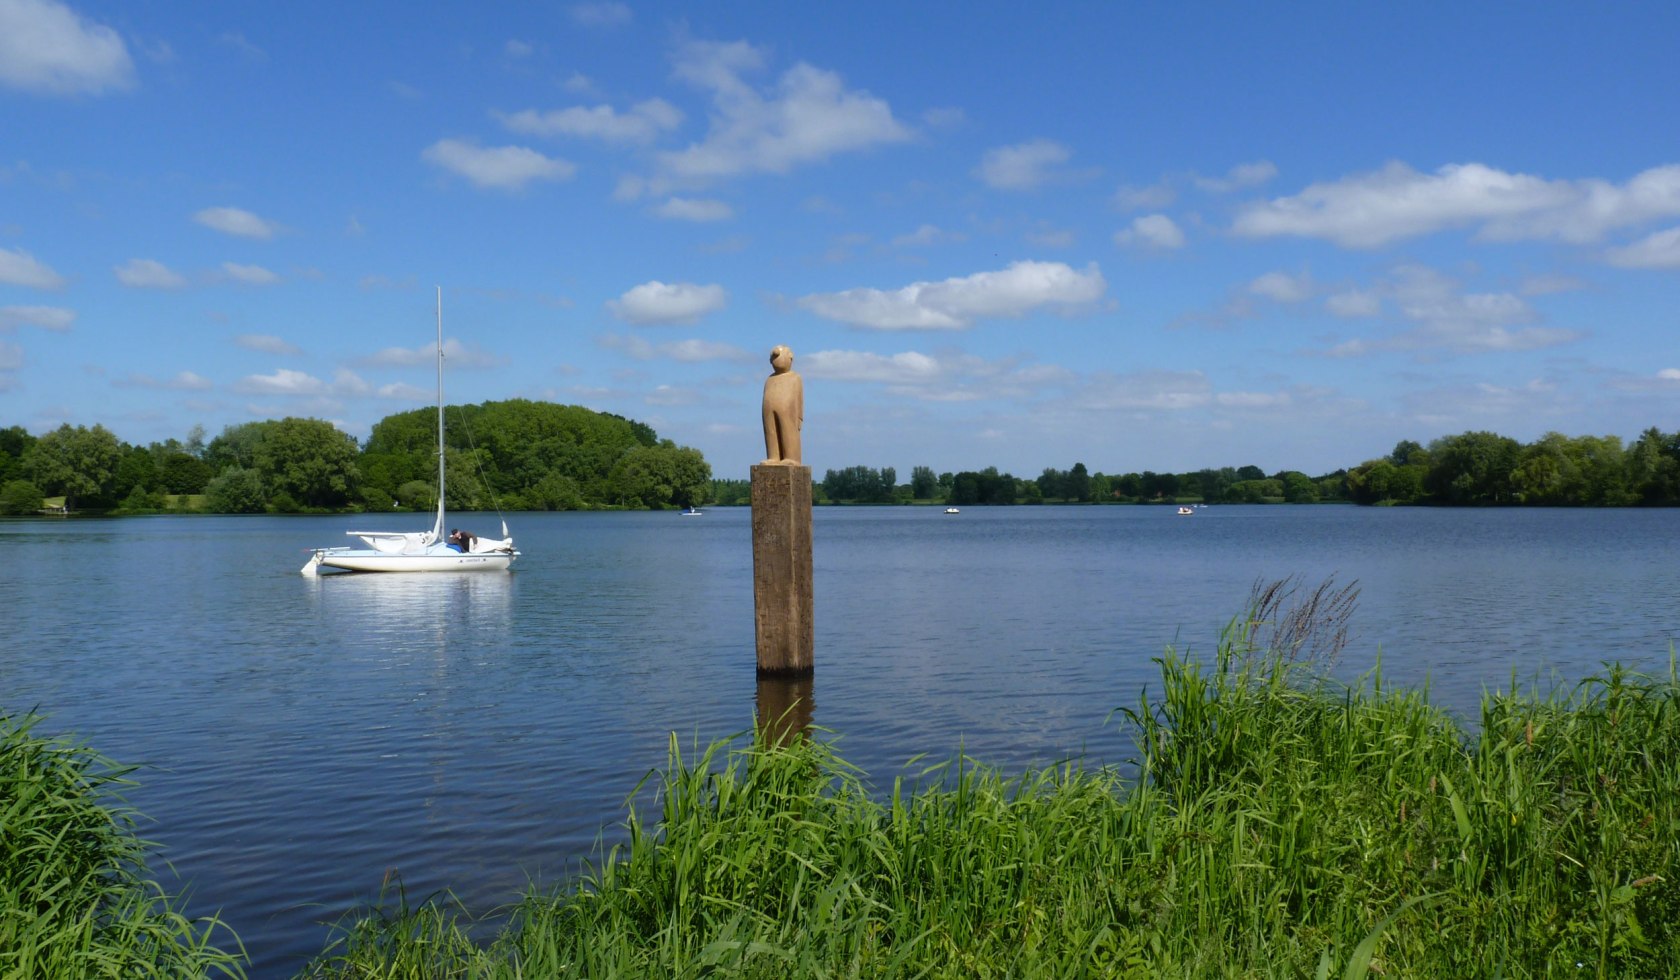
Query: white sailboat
(421,551)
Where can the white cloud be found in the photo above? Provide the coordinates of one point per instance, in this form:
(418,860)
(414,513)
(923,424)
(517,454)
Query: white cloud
(1669,374)
(694,209)
(1253,399)
(47,47)
(148,274)
(54,318)
(601,14)
(1353,303)
(907,368)
(1451,320)
(641,125)
(1281,287)
(1373,209)
(507,168)
(1022,166)
(250,275)
(458,355)
(1146,391)
(809,116)
(1241,176)
(1658,250)
(693,351)
(1151,231)
(11,359)
(954,304)
(19,268)
(515,48)
(297,384)
(236,221)
(1151,198)
(266,343)
(282,382)
(184,381)
(678,302)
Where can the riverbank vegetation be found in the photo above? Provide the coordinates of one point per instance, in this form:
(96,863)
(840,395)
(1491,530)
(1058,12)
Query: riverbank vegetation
(540,456)
(1473,468)
(76,898)
(511,455)
(1273,824)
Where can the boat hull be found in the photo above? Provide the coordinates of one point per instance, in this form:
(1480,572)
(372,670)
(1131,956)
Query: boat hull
(360,560)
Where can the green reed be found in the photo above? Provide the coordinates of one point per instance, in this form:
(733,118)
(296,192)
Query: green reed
(1272,825)
(76,899)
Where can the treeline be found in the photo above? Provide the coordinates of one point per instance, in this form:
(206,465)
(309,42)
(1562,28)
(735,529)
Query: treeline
(1472,468)
(1243,484)
(511,455)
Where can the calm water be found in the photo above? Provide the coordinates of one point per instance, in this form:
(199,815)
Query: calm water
(477,732)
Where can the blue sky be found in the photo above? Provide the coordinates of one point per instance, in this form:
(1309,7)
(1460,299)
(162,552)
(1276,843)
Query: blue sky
(1136,236)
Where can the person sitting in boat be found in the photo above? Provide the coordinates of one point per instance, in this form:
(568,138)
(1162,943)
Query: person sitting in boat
(461,541)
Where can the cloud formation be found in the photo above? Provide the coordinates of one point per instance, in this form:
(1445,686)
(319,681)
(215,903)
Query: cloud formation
(808,116)
(266,343)
(250,275)
(677,302)
(55,318)
(955,304)
(236,221)
(1156,231)
(694,209)
(641,125)
(1374,209)
(507,168)
(47,48)
(1022,166)
(19,268)
(148,274)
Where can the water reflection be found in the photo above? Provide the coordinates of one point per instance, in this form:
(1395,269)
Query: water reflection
(785,707)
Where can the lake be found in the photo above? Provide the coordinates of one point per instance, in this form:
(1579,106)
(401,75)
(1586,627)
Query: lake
(304,738)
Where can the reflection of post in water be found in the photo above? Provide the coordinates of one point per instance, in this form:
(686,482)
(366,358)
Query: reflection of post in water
(784,707)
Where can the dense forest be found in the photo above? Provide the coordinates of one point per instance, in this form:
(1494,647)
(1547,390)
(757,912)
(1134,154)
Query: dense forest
(541,456)
(510,455)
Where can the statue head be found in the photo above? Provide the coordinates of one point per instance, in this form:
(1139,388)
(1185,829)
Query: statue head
(781,358)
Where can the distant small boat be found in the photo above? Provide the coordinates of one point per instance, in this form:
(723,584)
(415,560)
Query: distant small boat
(952,510)
(692,512)
(1185,512)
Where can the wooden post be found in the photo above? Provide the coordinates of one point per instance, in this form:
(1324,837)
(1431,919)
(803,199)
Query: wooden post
(784,707)
(782,605)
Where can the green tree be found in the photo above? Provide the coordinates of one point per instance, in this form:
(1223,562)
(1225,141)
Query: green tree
(236,491)
(79,462)
(309,461)
(20,497)
(1472,468)
(1078,485)
(923,484)
(1298,488)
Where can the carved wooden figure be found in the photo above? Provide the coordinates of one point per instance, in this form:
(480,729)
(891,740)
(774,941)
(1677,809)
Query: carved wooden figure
(784,409)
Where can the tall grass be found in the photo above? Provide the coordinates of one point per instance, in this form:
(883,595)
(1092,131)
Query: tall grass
(75,896)
(1272,825)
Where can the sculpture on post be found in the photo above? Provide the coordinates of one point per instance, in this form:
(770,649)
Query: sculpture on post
(784,409)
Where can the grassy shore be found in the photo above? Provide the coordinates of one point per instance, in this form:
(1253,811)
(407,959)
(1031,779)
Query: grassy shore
(1271,824)
(1275,826)
(76,899)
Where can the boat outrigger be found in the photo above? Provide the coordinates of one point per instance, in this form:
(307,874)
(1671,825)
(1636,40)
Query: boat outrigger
(421,551)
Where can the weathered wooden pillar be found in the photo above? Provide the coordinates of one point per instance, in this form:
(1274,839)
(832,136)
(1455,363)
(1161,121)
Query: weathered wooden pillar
(784,707)
(782,605)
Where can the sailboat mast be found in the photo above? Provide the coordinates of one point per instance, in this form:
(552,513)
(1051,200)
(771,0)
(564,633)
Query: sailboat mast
(437,529)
